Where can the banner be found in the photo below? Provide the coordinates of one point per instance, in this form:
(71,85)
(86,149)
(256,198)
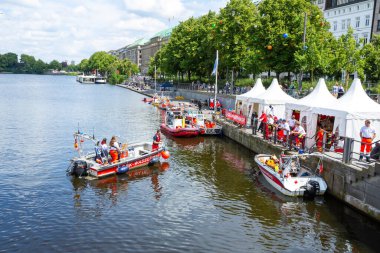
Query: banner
(240,119)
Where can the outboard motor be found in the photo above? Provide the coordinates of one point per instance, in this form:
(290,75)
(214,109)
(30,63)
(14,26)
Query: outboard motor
(79,168)
(311,190)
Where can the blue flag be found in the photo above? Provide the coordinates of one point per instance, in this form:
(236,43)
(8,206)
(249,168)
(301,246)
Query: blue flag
(215,66)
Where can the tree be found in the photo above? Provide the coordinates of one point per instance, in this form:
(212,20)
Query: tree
(27,63)
(55,65)
(102,62)
(371,53)
(280,33)
(8,62)
(237,25)
(349,56)
(40,67)
(84,66)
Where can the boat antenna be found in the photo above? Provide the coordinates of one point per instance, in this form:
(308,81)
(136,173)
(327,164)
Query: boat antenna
(93,133)
(78,128)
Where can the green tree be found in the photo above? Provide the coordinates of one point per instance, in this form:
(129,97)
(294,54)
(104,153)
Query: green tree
(279,34)
(84,66)
(349,56)
(40,67)
(236,27)
(55,65)
(371,53)
(8,62)
(27,63)
(102,62)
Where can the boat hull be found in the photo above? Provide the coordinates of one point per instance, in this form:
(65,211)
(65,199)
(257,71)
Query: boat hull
(180,132)
(288,186)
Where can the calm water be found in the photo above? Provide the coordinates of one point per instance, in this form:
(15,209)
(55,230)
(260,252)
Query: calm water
(205,199)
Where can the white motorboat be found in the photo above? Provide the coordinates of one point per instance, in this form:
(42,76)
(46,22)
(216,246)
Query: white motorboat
(289,177)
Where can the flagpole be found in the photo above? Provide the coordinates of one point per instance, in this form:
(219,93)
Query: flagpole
(216,83)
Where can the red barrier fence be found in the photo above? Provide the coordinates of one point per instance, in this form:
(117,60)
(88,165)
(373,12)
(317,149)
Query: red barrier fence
(240,119)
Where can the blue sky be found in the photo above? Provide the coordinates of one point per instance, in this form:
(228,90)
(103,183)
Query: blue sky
(73,30)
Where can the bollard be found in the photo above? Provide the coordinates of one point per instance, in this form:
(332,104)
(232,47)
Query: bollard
(347,150)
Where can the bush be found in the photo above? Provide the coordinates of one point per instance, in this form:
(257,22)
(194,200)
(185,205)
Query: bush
(116,78)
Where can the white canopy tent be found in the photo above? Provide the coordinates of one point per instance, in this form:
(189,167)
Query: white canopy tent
(243,99)
(319,101)
(353,109)
(273,96)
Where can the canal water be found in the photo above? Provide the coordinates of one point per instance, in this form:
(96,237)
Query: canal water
(205,198)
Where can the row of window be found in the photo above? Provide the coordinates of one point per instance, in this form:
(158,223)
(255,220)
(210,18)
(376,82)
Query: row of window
(349,9)
(346,23)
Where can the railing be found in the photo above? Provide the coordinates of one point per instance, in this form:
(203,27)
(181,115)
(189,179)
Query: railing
(340,149)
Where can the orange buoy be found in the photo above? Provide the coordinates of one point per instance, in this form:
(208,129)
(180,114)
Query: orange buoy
(165,154)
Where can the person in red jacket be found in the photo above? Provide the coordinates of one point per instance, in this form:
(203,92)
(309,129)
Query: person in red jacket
(156,140)
(319,138)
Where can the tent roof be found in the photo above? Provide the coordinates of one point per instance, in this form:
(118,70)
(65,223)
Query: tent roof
(320,98)
(273,95)
(357,101)
(254,92)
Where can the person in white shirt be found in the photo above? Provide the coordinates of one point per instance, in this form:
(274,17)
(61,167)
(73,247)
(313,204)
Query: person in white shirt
(367,135)
(284,129)
(292,122)
(299,133)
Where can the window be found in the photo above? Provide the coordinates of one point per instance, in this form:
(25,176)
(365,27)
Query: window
(367,20)
(344,10)
(339,12)
(357,22)
(343,24)
(357,7)
(356,38)
(320,1)
(378,25)
(335,25)
(365,37)
(349,9)
(348,23)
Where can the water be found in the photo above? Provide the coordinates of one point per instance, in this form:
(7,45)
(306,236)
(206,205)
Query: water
(204,199)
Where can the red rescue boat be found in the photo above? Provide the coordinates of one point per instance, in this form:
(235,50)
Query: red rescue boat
(176,125)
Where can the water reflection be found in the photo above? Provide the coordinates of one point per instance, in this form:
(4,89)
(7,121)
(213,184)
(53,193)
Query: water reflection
(111,189)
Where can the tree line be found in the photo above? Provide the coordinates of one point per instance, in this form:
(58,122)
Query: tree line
(28,64)
(252,39)
(110,66)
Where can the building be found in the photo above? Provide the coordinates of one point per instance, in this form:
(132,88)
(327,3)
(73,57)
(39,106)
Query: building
(376,18)
(358,14)
(150,48)
(133,51)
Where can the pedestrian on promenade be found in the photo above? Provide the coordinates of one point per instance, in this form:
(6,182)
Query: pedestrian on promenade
(367,134)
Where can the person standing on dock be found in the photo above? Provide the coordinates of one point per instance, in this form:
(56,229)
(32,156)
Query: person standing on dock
(156,140)
(367,134)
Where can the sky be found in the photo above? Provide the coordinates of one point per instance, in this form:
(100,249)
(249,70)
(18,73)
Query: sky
(72,30)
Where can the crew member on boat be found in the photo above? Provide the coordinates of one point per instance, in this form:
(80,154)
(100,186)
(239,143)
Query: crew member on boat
(104,147)
(114,149)
(367,134)
(156,140)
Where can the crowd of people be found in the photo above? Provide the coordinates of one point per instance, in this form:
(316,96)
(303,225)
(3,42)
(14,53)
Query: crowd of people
(291,130)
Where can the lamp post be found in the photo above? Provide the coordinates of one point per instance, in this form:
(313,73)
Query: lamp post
(155,88)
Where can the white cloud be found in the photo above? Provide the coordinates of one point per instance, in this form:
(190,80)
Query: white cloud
(73,30)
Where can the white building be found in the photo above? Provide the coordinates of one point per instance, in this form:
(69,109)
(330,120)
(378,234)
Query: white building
(358,14)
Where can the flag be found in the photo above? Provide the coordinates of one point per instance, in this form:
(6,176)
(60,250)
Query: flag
(215,69)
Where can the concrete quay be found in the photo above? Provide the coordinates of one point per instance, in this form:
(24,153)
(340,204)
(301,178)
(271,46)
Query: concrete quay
(358,187)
